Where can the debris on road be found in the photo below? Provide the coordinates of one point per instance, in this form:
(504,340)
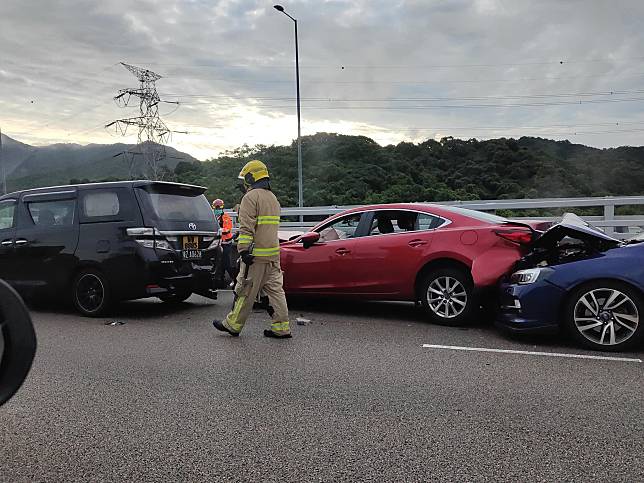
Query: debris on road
(302,321)
(114,323)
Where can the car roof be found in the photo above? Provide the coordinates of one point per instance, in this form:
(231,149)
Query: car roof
(108,184)
(395,206)
(435,208)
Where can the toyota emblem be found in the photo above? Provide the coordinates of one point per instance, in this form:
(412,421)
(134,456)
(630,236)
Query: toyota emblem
(192,226)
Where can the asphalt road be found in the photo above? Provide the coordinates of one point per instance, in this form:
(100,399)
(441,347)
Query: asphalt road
(354,396)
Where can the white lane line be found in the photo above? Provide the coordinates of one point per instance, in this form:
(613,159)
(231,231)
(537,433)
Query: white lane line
(532,353)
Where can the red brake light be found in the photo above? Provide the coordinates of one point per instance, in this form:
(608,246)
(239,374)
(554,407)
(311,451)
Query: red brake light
(522,237)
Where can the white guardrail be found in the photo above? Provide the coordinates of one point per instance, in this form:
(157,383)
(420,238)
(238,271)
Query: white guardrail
(619,225)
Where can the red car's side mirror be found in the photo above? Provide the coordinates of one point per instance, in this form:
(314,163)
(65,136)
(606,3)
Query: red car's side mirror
(309,239)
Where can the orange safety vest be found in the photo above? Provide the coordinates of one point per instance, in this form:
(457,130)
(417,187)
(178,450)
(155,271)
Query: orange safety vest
(226,224)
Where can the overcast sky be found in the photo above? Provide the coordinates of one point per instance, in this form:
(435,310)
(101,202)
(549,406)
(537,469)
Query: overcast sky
(391,70)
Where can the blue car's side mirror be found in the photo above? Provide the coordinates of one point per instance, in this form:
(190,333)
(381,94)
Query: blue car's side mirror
(18,342)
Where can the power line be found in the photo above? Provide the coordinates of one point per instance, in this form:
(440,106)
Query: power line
(475,135)
(495,128)
(409,99)
(444,106)
(255,65)
(238,80)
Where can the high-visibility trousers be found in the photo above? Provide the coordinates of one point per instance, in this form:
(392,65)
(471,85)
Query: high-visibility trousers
(268,278)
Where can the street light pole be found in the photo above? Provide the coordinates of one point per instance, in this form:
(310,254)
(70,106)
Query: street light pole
(2,168)
(300,191)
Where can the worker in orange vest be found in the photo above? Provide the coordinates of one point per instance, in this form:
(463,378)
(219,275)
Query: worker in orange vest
(226,225)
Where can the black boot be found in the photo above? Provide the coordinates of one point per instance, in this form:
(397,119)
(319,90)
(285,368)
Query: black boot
(269,333)
(219,325)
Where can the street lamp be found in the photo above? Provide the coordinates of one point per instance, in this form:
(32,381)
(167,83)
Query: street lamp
(300,194)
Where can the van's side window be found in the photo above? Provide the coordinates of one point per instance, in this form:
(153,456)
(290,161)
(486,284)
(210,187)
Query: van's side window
(52,213)
(99,205)
(7,213)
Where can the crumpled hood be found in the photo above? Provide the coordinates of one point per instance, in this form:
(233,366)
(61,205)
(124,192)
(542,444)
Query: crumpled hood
(573,226)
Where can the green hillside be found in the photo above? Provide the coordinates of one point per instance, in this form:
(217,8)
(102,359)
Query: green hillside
(35,166)
(340,170)
(344,170)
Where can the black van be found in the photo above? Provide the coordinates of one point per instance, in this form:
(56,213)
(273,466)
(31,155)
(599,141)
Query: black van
(100,243)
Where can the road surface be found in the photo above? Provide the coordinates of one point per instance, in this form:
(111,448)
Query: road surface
(354,396)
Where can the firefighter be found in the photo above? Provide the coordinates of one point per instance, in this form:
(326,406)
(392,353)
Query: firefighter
(259,250)
(226,225)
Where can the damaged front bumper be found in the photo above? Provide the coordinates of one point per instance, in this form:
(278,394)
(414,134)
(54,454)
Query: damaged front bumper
(530,308)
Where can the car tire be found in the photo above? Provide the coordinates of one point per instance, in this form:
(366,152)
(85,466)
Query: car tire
(605,315)
(447,297)
(176,297)
(91,293)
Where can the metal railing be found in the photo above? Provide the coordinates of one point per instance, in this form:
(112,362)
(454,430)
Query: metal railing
(615,224)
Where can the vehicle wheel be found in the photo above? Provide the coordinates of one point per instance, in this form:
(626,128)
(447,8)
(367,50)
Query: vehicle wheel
(175,298)
(91,294)
(447,296)
(605,315)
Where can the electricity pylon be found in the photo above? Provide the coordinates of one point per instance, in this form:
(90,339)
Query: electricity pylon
(153,134)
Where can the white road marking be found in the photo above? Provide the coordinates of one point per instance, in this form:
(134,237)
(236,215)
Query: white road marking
(532,353)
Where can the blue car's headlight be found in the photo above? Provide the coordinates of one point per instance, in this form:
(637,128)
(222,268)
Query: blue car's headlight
(531,275)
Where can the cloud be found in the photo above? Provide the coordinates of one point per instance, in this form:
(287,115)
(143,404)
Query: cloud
(392,70)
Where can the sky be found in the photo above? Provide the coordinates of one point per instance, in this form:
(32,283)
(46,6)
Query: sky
(406,70)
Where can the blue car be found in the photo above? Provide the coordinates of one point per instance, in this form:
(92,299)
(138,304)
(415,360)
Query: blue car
(578,279)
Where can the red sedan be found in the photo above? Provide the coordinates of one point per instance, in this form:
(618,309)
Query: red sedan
(439,255)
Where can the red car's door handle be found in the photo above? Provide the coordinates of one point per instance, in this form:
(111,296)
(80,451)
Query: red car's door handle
(417,243)
(342,251)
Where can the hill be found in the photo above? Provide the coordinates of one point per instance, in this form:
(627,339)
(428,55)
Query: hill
(33,166)
(341,170)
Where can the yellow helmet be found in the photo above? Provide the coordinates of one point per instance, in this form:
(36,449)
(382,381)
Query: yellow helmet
(253,171)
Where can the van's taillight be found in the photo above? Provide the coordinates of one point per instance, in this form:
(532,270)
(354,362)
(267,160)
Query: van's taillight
(522,237)
(143,231)
(153,238)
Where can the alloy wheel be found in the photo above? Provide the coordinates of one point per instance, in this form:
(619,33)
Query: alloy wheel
(446,297)
(90,292)
(606,316)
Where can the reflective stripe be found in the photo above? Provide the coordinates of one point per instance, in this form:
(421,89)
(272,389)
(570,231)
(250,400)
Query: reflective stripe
(281,326)
(232,321)
(268,220)
(266,252)
(245,238)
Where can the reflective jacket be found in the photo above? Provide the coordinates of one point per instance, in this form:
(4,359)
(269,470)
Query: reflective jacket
(259,219)
(226,225)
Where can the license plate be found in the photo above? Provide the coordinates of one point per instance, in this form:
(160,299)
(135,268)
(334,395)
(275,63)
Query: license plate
(190,247)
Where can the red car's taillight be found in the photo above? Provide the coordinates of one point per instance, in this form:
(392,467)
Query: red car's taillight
(520,236)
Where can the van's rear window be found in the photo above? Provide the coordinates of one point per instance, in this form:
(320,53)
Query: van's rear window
(178,206)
